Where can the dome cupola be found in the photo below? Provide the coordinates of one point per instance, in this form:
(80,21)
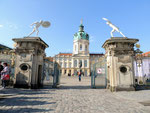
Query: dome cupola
(81,34)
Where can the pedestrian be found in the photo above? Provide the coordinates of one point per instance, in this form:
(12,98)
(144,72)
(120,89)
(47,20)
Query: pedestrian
(79,74)
(69,74)
(5,75)
(72,74)
(1,68)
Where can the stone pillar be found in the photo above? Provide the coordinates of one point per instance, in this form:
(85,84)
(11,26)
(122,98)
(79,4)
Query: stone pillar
(120,67)
(72,71)
(88,72)
(30,53)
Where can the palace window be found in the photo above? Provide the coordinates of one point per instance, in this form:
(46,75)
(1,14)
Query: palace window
(65,66)
(75,72)
(85,72)
(75,63)
(80,47)
(81,63)
(69,59)
(85,63)
(69,65)
(60,59)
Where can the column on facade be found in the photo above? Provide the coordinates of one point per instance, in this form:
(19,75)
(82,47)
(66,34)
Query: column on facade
(72,71)
(72,64)
(88,66)
(67,66)
(88,72)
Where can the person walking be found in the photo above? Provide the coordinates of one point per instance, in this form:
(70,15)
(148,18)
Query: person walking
(5,75)
(1,68)
(79,74)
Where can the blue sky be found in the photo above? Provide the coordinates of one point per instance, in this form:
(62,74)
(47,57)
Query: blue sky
(131,16)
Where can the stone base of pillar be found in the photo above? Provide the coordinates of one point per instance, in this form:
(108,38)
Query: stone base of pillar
(34,86)
(115,89)
(21,86)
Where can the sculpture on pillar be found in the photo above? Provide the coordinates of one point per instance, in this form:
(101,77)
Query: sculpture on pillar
(45,24)
(114,27)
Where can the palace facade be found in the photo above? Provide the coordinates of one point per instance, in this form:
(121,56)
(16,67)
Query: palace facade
(69,62)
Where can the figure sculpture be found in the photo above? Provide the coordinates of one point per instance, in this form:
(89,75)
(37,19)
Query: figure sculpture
(37,25)
(114,27)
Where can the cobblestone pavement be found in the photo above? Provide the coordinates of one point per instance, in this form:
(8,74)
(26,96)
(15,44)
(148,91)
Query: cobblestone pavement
(72,97)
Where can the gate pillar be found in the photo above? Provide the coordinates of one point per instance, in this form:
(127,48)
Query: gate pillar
(30,52)
(119,57)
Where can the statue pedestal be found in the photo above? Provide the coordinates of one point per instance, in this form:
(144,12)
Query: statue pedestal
(120,69)
(30,53)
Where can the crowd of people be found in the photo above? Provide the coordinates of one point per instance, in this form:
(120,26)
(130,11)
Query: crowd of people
(5,71)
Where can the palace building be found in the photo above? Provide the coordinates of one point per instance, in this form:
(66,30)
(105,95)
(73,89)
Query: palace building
(69,62)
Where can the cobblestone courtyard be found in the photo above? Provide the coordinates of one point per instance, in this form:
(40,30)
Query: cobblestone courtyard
(73,97)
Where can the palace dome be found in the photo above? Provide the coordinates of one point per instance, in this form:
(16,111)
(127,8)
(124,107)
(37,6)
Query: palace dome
(81,34)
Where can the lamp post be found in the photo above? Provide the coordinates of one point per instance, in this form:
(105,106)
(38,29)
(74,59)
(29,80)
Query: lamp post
(138,58)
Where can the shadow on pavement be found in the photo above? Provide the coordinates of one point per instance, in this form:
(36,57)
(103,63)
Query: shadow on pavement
(19,91)
(16,100)
(23,101)
(25,110)
(75,87)
(17,104)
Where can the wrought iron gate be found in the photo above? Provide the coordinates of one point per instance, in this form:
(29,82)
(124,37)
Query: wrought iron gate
(99,74)
(56,76)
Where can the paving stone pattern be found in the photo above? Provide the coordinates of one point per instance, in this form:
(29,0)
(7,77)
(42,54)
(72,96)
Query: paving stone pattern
(72,97)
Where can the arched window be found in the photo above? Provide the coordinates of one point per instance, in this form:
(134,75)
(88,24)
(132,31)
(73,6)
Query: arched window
(69,65)
(75,63)
(65,66)
(85,63)
(80,63)
(80,47)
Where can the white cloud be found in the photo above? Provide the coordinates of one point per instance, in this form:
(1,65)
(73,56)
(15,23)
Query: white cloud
(1,25)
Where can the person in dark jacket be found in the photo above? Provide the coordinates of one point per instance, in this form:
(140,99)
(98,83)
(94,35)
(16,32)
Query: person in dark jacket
(79,74)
